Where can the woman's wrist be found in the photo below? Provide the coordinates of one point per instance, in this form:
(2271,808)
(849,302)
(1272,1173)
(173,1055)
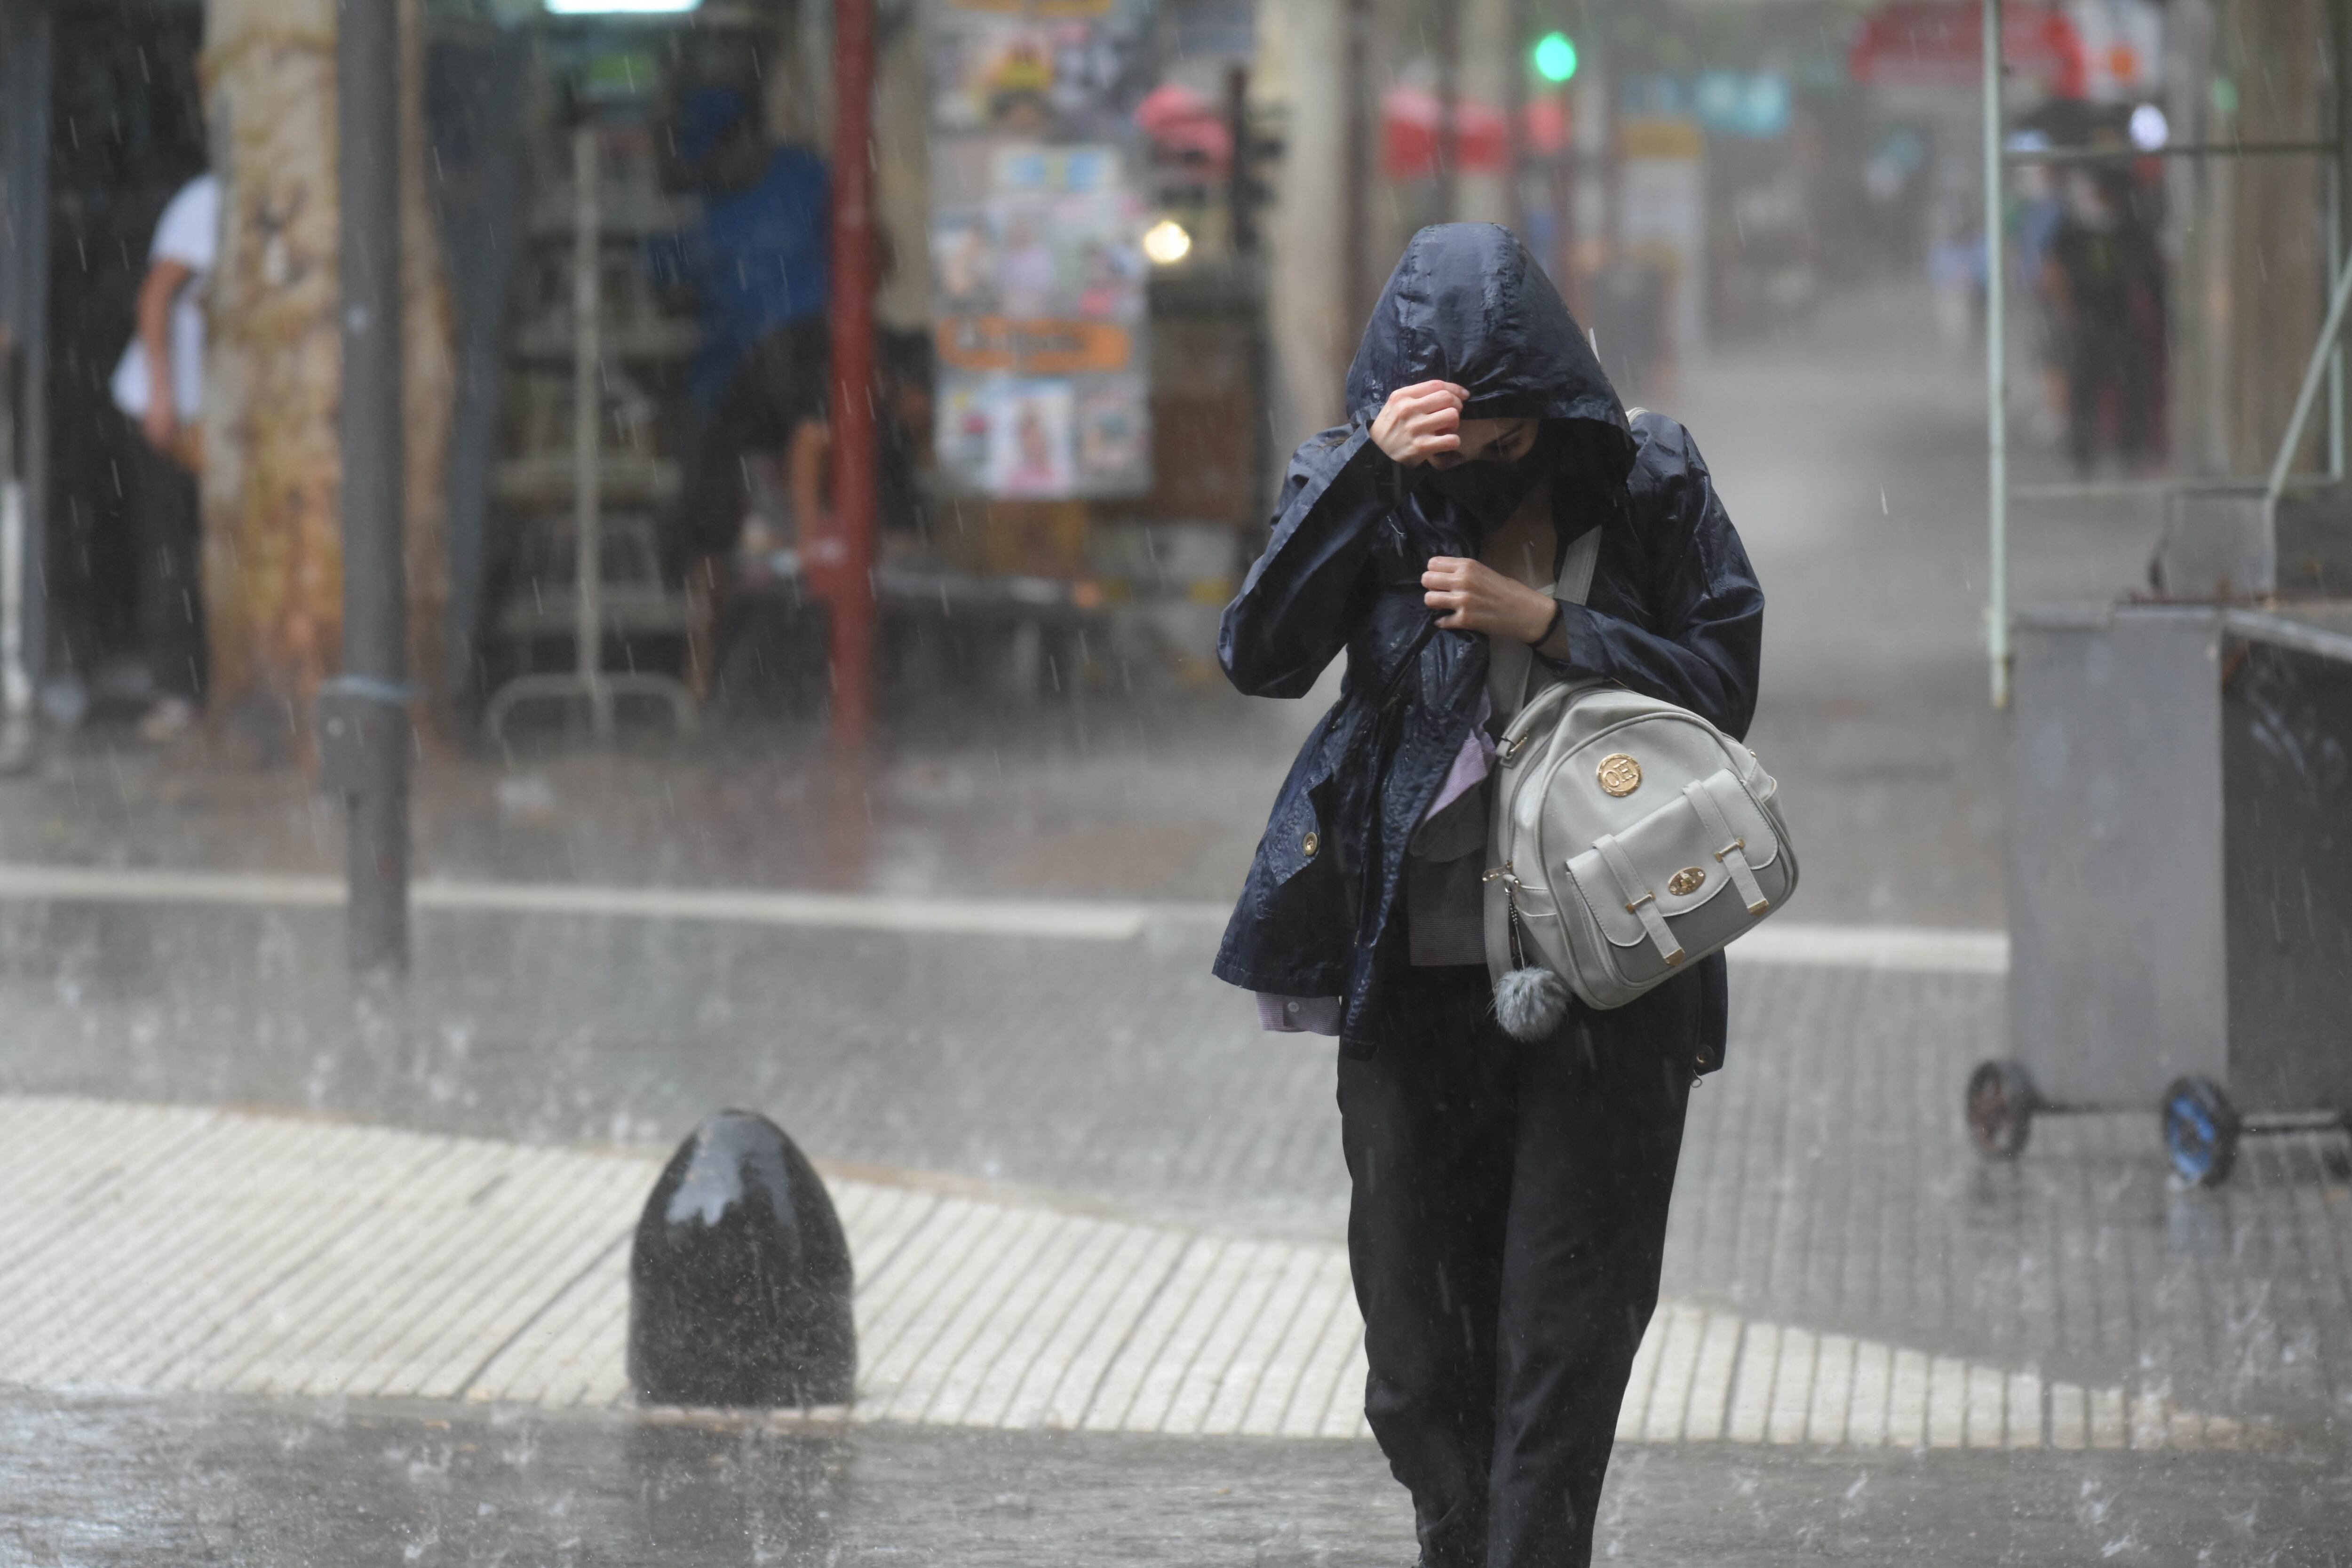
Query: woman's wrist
(1553,644)
(1542,614)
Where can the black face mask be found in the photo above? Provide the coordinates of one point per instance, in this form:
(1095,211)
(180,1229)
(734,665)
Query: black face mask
(1484,493)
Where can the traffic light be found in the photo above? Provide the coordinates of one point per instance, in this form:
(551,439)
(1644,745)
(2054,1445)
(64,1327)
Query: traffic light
(1555,56)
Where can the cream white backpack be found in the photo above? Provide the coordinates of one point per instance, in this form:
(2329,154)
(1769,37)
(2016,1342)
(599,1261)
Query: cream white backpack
(1630,839)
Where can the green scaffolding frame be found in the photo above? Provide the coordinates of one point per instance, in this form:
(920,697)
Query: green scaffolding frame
(2324,364)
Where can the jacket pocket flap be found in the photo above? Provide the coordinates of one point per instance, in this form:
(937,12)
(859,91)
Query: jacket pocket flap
(1293,837)
(1673,854)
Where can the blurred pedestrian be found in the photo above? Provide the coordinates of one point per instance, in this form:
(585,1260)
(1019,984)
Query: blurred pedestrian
(2037,213)
(756,266)
(773,423)
(1509,1200)
(158,385)
(1956,275)
(2105,281)
(778,403)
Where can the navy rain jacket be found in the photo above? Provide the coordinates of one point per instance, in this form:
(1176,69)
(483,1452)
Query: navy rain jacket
(1674,611)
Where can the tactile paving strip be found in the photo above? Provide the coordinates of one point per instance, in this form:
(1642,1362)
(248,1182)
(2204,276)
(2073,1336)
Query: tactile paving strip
(157,1247)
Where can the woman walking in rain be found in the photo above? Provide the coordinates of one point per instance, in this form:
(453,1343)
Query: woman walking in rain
(1509,1204)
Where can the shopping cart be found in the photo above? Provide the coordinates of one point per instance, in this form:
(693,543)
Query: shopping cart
(2180,876)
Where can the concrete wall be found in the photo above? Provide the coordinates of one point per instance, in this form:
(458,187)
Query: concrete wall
(1489,58)
(1301,44)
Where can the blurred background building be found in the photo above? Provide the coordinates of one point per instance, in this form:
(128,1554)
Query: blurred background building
(1126,250)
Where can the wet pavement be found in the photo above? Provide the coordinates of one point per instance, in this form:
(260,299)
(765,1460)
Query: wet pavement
(156,1249)
(1827,1204)
(1827,1180)
(93,1480)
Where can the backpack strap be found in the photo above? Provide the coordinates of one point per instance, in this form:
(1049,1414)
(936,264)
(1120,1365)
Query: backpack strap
(1733,856)
(1576,568)
(1514,662)
(1642,905)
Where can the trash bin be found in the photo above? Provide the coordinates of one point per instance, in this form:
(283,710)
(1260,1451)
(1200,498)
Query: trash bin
(2179,875)
(2247,543)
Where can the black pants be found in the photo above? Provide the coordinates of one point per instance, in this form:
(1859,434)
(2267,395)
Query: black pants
(2107,353)
(1508,1218)
(160,498)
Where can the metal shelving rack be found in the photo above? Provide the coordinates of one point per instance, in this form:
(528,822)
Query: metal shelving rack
(2324,365)
(616,583)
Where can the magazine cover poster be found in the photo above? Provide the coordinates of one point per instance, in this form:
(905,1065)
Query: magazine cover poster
(1029,448)
(1044,69)
(960,437)
(1113,436)
(1056,235)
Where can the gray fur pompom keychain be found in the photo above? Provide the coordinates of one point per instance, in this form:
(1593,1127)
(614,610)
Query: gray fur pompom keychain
(1531,1001)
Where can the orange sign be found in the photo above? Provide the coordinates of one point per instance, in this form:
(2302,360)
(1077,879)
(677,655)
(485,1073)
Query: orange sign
(1040,347)
(1659,136)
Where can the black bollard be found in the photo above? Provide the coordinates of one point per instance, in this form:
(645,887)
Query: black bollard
(740,1278)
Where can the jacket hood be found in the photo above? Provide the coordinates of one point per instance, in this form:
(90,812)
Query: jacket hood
(1468,304)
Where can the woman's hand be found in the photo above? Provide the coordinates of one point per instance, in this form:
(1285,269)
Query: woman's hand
(1420,420)
(1480,599)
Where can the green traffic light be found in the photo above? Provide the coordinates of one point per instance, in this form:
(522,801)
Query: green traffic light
(1555,56)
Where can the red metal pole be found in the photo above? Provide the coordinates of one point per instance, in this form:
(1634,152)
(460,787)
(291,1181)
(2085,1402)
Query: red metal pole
(854,441)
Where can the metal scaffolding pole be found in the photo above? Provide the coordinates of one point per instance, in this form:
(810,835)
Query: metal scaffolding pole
(1996,365)
(365,733)
(2323,353)
(2339,214)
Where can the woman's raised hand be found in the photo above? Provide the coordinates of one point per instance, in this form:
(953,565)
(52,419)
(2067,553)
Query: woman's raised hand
(1477,598)
(1419,420)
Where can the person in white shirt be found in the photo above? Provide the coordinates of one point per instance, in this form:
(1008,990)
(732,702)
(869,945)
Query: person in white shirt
(159,387)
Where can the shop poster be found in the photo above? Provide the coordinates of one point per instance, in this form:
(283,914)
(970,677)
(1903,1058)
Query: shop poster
(1036,225)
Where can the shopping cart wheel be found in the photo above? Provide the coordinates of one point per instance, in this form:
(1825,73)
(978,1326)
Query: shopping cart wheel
(2001,1109)
(2200,1130)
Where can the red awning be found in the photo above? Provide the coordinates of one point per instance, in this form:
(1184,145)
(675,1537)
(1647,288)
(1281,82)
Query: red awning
(1184,125)
(1940,43)
(1409,120)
